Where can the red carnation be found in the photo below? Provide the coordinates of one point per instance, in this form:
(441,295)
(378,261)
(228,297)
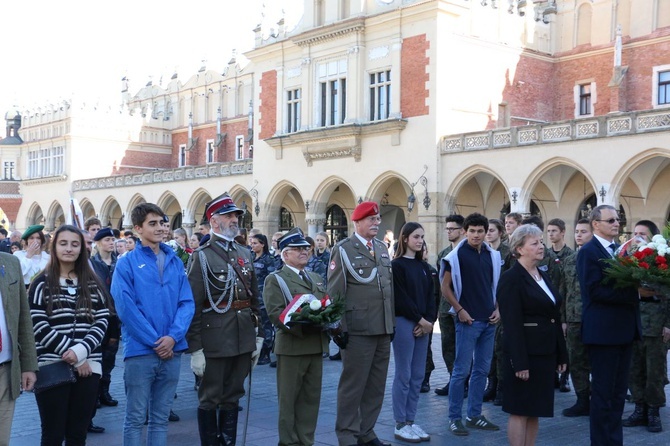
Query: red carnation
(644,265)
(663,266)
(661,260)
(639,255)
(647,251)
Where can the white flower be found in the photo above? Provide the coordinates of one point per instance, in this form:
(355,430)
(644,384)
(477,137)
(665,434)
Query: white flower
(662,251)
(315,305)
(328,302)
(651,245)
(658,239)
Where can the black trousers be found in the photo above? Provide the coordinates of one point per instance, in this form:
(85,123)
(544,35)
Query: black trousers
(610,365)
(65,411)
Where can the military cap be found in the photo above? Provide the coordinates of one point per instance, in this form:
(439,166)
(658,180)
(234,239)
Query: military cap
(293,238)
(104,232)
(365,209)
(222,204)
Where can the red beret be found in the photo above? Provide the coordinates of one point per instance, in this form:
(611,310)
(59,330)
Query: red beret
(365,209)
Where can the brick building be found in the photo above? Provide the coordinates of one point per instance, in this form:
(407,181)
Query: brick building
(546,107)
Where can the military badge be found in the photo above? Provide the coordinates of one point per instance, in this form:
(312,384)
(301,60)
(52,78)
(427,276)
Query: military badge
(332,265)
(240,261)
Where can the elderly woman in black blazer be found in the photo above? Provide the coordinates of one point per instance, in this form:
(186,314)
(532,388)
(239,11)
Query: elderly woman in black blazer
(534,347)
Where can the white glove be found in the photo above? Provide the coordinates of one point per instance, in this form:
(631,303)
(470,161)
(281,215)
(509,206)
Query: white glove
(198,362)
(257,353)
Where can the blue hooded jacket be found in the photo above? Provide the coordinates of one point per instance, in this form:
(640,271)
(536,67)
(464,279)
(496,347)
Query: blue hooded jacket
(149,306)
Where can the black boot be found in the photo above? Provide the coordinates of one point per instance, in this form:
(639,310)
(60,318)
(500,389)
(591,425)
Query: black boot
(425,385)
(638,417)
(491,387)
(209,434)
(654,420)
(564,385)
(499,395)
(228,427)
(581,408)
(264,357)
(105,397)
(443,391)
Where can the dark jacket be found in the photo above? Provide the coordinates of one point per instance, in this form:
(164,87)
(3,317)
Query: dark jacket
(531,320)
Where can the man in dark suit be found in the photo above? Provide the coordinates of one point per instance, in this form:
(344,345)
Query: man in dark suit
(299,349)
(18,358)
(222,335)
(360,271)
(610,324)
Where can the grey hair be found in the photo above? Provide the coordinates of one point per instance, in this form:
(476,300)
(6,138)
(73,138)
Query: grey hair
(520,235)
(180,231)
(596,213)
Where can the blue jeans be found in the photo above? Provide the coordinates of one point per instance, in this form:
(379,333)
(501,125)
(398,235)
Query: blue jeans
(150,387)
(476,339)
(409,353)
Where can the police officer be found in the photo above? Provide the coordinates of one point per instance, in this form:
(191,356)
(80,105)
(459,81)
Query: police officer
(222,335)
(299,349)
(360,271)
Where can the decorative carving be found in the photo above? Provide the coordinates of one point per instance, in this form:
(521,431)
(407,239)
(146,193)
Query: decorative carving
(451,145)
(527,136)
(556,133)
(585,129)
(653,121)
(378,53)
(502,139)
(477,142)
(619,125)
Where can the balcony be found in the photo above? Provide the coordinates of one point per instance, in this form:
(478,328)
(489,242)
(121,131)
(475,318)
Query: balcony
(188,173)
(620,124)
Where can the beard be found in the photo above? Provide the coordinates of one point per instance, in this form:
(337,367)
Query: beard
(230,232)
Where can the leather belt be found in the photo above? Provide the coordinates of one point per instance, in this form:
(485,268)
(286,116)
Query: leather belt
(236,304)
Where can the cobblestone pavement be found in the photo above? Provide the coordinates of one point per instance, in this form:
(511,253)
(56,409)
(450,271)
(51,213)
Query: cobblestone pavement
(432,415)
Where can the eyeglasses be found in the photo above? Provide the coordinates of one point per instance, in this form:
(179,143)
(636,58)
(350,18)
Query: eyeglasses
(374,219)
(610,221)
(453,229)
(300,248)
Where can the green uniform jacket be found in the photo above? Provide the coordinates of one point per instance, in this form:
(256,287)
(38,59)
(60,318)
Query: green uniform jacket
(369,307)
(568,288)
(19,323)
(232,333)
(293,341)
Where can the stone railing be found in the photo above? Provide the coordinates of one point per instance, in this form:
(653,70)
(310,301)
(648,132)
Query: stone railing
(578,129)
(167,175)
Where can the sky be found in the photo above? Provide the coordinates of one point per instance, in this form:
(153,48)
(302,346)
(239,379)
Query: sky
(56,50)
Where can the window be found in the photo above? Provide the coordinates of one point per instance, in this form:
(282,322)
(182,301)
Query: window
(239,147)
(380,95)
(211,155)
(336,224)
(182,155)
(293,110)
(47,162)
(9,170)
(285,219)
(585,98)
(664,88)
(332,93)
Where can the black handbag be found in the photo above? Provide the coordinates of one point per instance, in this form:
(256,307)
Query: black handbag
(54,375)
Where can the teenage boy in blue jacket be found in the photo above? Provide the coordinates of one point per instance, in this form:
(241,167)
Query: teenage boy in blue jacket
(154,302)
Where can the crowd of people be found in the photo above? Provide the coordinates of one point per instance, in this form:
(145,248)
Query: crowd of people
(516,317)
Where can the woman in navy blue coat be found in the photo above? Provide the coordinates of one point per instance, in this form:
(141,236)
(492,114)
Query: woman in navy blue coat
(533,343)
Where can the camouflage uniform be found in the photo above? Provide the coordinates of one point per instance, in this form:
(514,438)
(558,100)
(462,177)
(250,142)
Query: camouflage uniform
(647,368)
(564,252)
(571,314)
(447,323)
(319,264)
(263,266)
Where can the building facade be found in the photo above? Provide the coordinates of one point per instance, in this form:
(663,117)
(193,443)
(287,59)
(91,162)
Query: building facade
(427,106)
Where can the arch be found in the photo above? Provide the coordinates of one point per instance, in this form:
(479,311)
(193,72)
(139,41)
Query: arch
(111,212)
(195,207)
(320,200)
(35,215)
(87,208)
(55,216)
(479,173)
(656,159)
(166,200)
(559,180)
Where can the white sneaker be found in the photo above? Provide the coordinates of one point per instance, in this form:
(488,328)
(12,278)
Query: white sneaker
(406,433)
(422,434)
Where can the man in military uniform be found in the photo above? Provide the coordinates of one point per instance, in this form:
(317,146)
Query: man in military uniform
(571,318)
(647,367)
(455,233)
(360,271)
(299,349)
(222,335)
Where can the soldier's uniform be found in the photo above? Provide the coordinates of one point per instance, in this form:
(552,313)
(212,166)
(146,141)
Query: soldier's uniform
(571,315)
(647,368)
(225,289)
(265,265)
(365,281)
(563,253)
(299,351)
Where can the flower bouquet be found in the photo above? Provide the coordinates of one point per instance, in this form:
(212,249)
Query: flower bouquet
(638,263)
(307,309)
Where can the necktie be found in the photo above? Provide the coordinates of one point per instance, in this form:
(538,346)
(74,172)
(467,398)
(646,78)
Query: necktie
(371,249)
(613,247)
(305,277)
